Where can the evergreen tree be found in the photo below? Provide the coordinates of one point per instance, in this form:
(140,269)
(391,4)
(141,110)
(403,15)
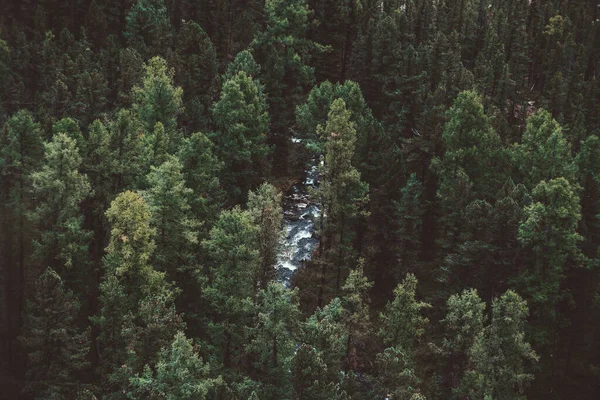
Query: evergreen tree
(148,28)
(196,71)
(131,247)
(201,171)
(549,231)
(356,315)
(63,242)
(56,350)
(544,153)
(21,153)
(131,73)
(284,68)
(324,331)
(242,119)
(273,338)
(309,374)
(233,258)
(127,145)
(402,325)
(158,100)
(464,323)
(179,373)
(243,61)
(409,212)
(342,191)
(168,202)
(265,207)
(500,352)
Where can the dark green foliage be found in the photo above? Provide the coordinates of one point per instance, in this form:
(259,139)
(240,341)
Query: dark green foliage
(453,142)
(56,349)
(196,72)
(148,28)
(242,119)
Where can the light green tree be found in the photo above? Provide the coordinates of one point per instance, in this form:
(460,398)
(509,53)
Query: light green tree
(179,373)
(157,99)
(544,153)
(500,353)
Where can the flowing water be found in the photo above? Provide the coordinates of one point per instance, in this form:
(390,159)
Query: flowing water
(300,213)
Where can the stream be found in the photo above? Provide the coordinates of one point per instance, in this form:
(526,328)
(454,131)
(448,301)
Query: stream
(300,214)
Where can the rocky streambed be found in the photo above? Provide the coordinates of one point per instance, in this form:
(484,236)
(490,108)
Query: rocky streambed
(300,214)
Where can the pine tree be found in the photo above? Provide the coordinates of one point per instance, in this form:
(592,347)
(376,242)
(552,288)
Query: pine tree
(131,247)
(90,97)
(342,192)
(242,119)
(356,315)
(471,148)
(158,100)
(201,171)
(131,73)
(409,213)
(273,338)
(402,321)
(464,323)
(56,351)
(128,147)
(243,61)
(309,376)
(148,28)
(284,69)
(549,231)
(500,352)
(21,153)
(402,325)
(63,242)
(324,331)
(265,207)
(168,202)
(179,373)
(196,71)
(544,153)
(233,260)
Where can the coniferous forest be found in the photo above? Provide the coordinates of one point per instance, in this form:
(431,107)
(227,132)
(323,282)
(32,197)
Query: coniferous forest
(300,199)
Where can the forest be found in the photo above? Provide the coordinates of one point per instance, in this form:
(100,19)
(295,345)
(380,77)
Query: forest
(300,199)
